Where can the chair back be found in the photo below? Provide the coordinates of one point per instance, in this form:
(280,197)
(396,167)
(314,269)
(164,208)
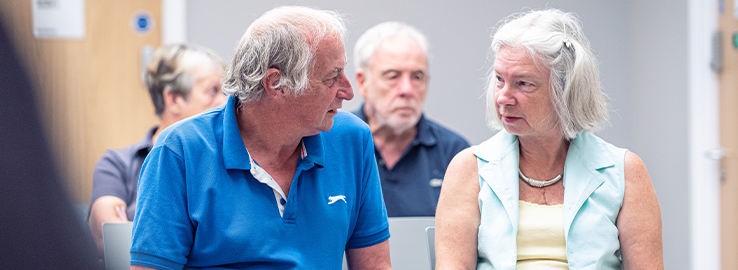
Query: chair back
(117,245)
(431,233)
(408,243)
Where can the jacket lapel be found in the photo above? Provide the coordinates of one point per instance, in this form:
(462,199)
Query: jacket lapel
(502,155)
(581,174)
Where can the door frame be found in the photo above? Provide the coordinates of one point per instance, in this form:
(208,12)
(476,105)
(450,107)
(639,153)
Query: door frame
(704,135)
(173,21)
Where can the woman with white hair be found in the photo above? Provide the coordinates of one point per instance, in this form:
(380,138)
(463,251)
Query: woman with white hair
(544,192)
(183,80)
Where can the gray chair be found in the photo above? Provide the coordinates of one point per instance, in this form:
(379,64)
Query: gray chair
(431,233)
(408,243)
(117,245)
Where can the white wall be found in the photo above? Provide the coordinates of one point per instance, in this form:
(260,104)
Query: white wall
(659,109)
(641,45)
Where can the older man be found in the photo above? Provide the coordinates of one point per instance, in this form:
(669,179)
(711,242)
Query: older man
(275,179)
(412,151)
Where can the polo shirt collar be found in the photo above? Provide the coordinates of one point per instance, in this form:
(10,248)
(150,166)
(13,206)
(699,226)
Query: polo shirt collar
(425,135)
(235,155)
(314,148)
(144,145)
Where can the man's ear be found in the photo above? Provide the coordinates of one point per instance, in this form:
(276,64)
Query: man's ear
(172,102)
(361,81)
(270,81)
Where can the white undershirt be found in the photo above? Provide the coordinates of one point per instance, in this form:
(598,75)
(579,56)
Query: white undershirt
(263,176)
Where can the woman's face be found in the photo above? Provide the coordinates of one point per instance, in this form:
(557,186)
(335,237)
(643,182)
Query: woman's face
(522,96)
(205,92)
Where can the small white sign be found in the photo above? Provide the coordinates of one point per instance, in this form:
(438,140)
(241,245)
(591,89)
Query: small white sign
(60,19)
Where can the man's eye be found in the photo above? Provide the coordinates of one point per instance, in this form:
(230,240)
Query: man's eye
(331,81)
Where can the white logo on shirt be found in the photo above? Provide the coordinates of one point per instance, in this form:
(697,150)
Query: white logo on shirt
(435,182)
(334,199)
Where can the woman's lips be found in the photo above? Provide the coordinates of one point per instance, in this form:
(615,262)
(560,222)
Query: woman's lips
(510,119)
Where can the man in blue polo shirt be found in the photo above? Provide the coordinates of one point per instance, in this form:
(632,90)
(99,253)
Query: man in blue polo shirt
(412,151)
(275,179)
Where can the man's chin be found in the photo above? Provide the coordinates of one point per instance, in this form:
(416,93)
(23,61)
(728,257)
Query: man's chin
(399,126)
(327,125)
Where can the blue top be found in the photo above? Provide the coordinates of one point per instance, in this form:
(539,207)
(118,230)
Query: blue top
(116,173)
(594,186)
(412,186)
(200,207)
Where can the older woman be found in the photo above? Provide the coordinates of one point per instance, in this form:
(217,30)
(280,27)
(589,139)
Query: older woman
(183,80)
(545,193)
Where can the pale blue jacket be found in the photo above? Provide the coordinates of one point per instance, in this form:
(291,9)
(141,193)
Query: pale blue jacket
(594,188)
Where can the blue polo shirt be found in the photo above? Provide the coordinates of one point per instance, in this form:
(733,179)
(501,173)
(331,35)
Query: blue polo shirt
(200,207)
(413,185)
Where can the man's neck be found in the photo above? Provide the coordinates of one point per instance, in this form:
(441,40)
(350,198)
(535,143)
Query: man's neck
(391,144)
(269,140)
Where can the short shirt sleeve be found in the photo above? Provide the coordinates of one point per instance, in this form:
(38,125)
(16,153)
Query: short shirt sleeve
(372,226)
(107,179)
(111,178)
(162,231)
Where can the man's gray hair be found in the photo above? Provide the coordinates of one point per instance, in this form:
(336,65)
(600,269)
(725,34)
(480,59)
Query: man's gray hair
(284,38)
(370,40)
(555,39)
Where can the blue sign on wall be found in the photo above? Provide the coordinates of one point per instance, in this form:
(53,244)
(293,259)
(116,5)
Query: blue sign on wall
(142,22)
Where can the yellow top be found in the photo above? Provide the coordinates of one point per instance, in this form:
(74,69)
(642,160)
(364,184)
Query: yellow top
(541,242)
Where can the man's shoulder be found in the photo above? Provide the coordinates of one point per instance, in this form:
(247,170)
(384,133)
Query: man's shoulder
(444,134)
(200,127)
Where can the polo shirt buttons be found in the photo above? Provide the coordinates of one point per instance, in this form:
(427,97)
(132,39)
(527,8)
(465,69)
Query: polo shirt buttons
(380,162)
(282,201)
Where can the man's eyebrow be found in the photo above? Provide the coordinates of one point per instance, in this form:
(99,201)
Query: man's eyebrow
(334,71)
(389,71)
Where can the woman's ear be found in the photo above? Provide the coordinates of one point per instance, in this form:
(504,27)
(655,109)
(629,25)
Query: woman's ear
(172,103)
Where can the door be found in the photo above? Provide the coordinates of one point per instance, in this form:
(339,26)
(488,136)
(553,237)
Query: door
(89,91)
(728,96)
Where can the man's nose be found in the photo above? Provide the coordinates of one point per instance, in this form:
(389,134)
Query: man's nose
(405,86)
(345,91)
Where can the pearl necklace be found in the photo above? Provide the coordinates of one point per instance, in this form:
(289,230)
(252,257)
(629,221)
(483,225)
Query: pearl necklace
(538,183)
